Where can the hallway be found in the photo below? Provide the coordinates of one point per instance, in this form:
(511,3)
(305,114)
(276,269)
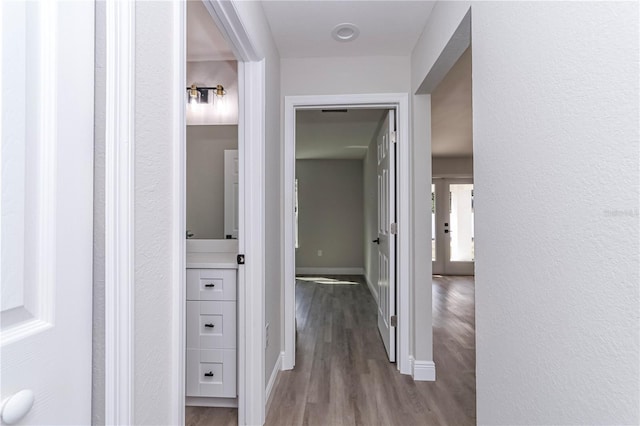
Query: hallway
(342,376)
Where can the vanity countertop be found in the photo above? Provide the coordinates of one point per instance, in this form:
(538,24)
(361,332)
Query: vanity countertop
(202,260)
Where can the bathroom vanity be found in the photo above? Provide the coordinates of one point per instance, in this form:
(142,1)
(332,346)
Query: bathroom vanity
(211,323)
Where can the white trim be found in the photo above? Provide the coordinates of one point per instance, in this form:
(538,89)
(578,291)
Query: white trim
(331,271)
(251,137)
(372,289)
(400,101)
(119,212)
(226,18)
(179,221)
(423,371)
(273,378)
(251,243)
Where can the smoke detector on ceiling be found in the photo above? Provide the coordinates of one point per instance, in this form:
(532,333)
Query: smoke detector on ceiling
(345,32)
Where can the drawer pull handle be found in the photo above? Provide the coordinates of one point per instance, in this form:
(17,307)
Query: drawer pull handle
(210,325)
(209,374)
(209,285)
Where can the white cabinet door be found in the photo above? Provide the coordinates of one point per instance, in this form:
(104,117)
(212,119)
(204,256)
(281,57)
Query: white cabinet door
(386,235)
(46,208)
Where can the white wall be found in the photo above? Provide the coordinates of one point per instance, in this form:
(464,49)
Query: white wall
(209,74)
(452,167)
(330,209)
(330,76)
(154,203)
(256,24)
(555,93)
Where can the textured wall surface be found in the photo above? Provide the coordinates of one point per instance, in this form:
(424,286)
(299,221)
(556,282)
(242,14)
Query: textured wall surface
(330,205)
(154,200)
(205,178)
(555,88)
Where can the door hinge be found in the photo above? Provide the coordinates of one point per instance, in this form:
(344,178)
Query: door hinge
(394,321)
(394,137)
(240,259)
(393,228)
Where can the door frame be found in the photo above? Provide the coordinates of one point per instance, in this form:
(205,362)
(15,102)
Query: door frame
(119,208)
(399,102)
(443,266)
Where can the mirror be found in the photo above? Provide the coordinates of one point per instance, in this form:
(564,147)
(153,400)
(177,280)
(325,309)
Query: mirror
(212,182)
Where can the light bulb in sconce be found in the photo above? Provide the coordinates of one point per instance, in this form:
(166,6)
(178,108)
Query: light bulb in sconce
(194,94)
(220,101)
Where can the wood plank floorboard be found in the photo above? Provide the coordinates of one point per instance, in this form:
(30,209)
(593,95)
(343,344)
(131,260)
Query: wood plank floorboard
(342,376)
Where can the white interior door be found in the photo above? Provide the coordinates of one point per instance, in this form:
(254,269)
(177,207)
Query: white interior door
(453,227)
(231,193)
(386,235)
(46,211)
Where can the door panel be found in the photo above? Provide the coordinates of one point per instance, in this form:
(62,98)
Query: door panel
(47,207)
(387,239)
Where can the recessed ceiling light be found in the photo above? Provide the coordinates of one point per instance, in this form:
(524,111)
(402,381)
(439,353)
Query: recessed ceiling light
(345,32)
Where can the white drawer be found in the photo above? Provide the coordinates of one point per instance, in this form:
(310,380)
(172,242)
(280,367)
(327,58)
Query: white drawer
(211,373)
(211,325)
(211,284)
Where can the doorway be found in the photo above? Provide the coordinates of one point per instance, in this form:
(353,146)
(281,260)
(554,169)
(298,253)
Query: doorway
(398,103)
(346,192)
(452,204)
(452,232)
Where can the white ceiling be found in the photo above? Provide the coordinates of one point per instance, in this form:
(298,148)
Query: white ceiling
(204,40)
(451,112)
(387,28)
(303,29)
(335,135)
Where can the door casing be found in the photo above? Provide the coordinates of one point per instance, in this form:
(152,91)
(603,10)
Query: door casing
(119,394)
(442,266)
(400,103)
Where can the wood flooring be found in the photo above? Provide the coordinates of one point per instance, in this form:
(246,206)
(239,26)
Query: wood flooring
(342,375)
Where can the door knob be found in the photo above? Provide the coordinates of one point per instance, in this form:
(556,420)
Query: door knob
(446,231)
(377,240)
(16,406)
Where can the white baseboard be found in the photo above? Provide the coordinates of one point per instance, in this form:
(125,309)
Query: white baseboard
(423,371)
(201,401)
(273,378)
(331,271)
(372,289)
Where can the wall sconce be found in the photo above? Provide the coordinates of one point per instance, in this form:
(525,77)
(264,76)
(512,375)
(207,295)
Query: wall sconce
(200,95)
